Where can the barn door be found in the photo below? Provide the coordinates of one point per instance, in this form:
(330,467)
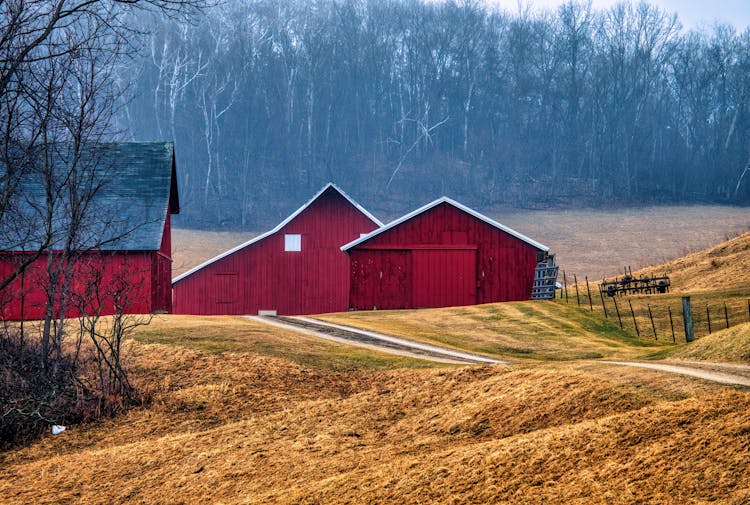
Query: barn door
(444,277)
(226,292)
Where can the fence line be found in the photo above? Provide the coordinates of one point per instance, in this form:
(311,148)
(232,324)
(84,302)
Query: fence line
(653,317)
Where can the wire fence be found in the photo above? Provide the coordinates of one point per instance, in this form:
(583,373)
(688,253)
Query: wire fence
(660,316)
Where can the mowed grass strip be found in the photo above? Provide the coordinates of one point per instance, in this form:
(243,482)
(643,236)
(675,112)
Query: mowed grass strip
(534,330)
(223,334)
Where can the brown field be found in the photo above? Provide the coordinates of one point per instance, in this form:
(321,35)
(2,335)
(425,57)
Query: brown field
(598,243)
(587,242)
(244,413)
(190,248)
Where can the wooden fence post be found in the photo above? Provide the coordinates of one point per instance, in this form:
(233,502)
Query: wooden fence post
(726,314)
(575,281)
(565,283)
(601,295)
(635,323)
(687,317)
(708,317)
(591,304)
(614,299)
(651,316)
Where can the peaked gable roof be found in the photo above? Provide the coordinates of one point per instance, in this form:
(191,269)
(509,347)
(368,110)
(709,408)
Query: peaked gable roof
(328,187)
(132,186)
(435,203)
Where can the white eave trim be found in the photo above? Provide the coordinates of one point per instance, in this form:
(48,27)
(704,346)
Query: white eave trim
(279,227)
(459,206)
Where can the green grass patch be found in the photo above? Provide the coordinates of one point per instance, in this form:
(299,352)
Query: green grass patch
(540,331)
(220,334)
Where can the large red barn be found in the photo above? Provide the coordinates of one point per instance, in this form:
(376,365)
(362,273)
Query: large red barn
(440,255)
(296,268)
(124,248)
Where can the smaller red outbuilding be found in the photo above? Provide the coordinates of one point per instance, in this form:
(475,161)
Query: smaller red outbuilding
(296,268)
(440,255)
(122,253)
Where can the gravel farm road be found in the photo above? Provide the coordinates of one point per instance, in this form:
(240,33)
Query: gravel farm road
(724,373)
(376,341)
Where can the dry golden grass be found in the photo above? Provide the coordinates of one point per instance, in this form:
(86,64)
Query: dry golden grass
(223,334)
(732,344)
(720,267)
(243,428)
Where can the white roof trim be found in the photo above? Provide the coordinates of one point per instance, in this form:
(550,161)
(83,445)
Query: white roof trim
(437,202)
(279,227)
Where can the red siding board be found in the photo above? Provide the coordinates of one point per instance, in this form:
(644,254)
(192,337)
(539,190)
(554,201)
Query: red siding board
(147,275)
(454,258)
(26,297)
(313,280)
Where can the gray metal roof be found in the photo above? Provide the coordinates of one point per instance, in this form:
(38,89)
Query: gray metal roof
(133,187)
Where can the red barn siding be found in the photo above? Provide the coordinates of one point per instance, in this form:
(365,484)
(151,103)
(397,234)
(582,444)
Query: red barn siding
(262,276)
(440,257)
(26,297)
(144,277)
(161,272)
(444,277)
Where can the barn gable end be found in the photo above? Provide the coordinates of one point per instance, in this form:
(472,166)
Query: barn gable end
(295,268)
(442,254)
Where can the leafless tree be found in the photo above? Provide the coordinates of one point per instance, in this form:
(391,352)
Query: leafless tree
(57,100)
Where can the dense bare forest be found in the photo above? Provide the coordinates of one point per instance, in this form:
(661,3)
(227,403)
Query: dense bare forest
(401,101)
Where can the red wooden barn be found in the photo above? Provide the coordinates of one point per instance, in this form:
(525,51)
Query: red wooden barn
(440,255)
(123,249)
(296,268)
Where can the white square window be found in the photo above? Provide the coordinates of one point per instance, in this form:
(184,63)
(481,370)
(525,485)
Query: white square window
(292,242)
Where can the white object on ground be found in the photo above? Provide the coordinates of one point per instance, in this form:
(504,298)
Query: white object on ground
(57,429)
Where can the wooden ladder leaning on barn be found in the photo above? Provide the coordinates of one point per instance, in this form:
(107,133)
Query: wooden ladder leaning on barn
(545,279)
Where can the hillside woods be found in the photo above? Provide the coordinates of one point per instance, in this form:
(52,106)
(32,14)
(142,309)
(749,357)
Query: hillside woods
(404,101)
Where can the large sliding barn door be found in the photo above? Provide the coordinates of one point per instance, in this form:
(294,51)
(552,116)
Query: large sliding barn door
(444,277)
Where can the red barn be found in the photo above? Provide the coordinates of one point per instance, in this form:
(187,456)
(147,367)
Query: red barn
(440,255)
(122,250)
(296,268)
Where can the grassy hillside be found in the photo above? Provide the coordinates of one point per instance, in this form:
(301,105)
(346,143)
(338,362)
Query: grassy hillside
(732,345)
(247,428)
(516,331)
(722,267)
(716,279)
(228,334)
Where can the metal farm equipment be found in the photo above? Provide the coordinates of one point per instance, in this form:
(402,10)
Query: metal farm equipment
(630,285)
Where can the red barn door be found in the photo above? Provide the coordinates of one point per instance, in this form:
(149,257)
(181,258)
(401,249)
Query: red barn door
(444,277)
